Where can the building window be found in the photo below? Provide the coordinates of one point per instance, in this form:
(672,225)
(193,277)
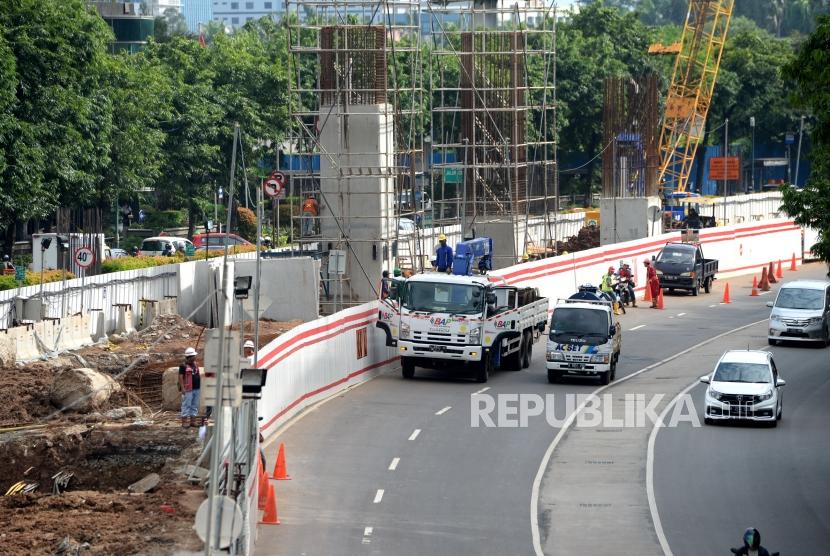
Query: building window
(248,18)
(234,5)
(249,5)
(268,6)
(234,21)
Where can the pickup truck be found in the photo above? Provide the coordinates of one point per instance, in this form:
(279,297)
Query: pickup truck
(584,340)
(462,323)
(681,266)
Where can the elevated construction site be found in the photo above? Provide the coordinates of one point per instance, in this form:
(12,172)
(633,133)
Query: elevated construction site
(390,176)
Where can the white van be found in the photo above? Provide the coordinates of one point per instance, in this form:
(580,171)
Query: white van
(801,312)
(157,246)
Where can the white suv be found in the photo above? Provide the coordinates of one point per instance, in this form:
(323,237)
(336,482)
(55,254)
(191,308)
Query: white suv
(744,385)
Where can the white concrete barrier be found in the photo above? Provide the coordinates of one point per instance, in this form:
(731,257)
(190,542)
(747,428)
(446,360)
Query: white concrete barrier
(739,249)
(318,359)
(124,318)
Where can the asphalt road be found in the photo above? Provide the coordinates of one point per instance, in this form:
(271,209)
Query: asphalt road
(713,482)
(450,488)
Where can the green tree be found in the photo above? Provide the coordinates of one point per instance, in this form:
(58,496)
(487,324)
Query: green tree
(57,125)
(810,206)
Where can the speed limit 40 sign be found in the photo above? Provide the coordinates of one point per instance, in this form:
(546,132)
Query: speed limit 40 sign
(84,257)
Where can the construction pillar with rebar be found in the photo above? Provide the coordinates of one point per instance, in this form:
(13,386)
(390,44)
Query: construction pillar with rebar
(356,109)
(630,207)
(493,125)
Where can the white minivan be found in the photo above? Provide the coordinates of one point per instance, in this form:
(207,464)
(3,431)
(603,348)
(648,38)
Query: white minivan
(163,245)
(801,312)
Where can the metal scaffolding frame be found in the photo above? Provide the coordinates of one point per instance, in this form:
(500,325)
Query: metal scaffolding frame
(345,58)
(488,119)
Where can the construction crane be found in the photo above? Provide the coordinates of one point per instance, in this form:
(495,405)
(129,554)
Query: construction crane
(696,65)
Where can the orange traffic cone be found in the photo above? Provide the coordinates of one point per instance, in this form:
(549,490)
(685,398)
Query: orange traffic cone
(764,284)
(754,287)
(771,273)
(779,273)
(792,264)
(280,473)
(262,494)
(660,298)
(726,298)
(270,517)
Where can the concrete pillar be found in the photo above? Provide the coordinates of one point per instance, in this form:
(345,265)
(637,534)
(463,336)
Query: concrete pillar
(630,218)
(357,185)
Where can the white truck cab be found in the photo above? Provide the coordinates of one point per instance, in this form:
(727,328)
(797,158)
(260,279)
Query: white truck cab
(463,323)
(584,340)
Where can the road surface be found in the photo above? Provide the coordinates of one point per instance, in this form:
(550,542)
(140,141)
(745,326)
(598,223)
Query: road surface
(395,467)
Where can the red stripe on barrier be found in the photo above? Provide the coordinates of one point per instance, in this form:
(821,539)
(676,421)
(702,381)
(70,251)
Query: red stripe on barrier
(317,340)
(324,328)
(327,387)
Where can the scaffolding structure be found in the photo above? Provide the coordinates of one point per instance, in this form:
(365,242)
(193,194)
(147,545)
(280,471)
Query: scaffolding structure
(493,129)
(631,159)
(356,135)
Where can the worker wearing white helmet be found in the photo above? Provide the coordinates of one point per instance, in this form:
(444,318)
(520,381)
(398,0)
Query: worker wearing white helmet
(249,349)
(190,387)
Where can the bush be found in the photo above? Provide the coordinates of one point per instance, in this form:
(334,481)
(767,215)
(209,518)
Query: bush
(247,223)
(7,282)
(133,263)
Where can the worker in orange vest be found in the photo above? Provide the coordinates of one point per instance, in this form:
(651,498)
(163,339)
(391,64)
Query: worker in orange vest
(310,211)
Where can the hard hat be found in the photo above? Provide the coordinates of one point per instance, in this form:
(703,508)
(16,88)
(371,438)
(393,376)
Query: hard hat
(397,272)
(525,257)
(190,352)
(442,237)
(248,344)
(5,257)
(610,269)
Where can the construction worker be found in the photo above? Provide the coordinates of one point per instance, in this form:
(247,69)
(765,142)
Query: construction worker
(653,282)
(384,285)
(249,350)
(189,386)
(628,278)
(443,255)
(607,287)
(310,211)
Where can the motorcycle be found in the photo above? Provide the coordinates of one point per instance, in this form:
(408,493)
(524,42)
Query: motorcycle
(625,290)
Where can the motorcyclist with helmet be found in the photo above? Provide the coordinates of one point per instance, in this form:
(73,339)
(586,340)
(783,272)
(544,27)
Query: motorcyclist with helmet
(752,545)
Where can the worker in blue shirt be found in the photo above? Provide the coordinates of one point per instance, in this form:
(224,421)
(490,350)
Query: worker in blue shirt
(443,255)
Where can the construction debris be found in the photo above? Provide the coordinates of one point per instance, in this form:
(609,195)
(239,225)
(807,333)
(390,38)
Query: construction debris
(60,481)
(82,390)
(146,484)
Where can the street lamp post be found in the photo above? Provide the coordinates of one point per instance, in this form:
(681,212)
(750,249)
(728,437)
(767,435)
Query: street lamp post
(752,167)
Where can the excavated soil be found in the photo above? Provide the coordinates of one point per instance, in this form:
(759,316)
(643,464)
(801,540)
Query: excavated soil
(96,507)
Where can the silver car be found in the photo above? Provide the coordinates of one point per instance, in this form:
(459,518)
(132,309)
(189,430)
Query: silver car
(801,312)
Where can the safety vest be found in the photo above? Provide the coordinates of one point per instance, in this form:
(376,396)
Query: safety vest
(310,205)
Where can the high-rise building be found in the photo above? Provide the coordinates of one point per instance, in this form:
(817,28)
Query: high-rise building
(156,8)
(235,13)
(196,13)
(130,27)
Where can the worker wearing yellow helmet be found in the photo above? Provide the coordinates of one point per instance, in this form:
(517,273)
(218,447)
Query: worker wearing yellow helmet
(443,255)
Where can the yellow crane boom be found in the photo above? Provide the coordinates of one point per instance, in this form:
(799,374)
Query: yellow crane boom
(690,92)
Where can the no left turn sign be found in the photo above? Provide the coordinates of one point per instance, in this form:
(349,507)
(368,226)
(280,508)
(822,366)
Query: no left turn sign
(274,185)
(84,257)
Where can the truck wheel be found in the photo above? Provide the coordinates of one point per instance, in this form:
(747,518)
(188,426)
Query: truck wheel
(605,378)
(695,289)
(528,352)
(407,367)
(614,368)
(554,376)
(483,372)
(707,285)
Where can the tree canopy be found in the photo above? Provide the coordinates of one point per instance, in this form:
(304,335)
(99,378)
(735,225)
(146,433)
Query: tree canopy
(810,71)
